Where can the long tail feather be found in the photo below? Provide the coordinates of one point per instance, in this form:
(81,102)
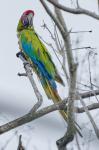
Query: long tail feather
(56,98)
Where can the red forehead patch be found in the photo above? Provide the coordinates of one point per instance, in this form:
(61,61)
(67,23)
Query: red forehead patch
(27,12)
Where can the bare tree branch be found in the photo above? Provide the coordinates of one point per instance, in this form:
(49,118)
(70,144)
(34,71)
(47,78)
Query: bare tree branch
(89,94)
(35,115)
(32,116)
(89,107)
(30,77)
(76,11)
(72,83)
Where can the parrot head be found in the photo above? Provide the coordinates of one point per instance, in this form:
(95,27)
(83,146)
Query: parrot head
(26,20)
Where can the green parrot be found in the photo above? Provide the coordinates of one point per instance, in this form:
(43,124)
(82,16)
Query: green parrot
(37,54)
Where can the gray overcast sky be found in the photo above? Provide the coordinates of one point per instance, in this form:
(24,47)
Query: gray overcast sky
(18,90)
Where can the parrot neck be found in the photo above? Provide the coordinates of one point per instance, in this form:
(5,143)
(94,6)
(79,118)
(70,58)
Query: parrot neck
(29,28)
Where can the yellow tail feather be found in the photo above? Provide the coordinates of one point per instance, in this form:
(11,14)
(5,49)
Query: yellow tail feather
(56,98)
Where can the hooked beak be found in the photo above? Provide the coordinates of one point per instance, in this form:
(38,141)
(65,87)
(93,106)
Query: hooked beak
(30,19)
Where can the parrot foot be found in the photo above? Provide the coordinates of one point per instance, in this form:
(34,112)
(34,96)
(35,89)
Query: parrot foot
(22,74)
(27,67)
(26,63)
(20,53)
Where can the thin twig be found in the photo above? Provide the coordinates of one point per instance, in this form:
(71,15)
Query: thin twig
(88,47)
(78,145)
(90,31)
(20,145)
(90,76)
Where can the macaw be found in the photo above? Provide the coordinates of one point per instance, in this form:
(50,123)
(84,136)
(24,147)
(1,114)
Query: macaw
(37,54)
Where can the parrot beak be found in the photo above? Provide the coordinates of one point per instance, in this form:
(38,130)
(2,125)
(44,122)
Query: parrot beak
(30,19)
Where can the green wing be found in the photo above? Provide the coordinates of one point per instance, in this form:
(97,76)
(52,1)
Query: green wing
(38,50)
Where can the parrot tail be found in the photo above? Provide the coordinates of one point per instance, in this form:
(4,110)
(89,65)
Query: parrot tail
(53,94)
(56,98)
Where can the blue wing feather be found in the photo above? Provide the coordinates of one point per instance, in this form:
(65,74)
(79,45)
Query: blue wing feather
(28,49)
